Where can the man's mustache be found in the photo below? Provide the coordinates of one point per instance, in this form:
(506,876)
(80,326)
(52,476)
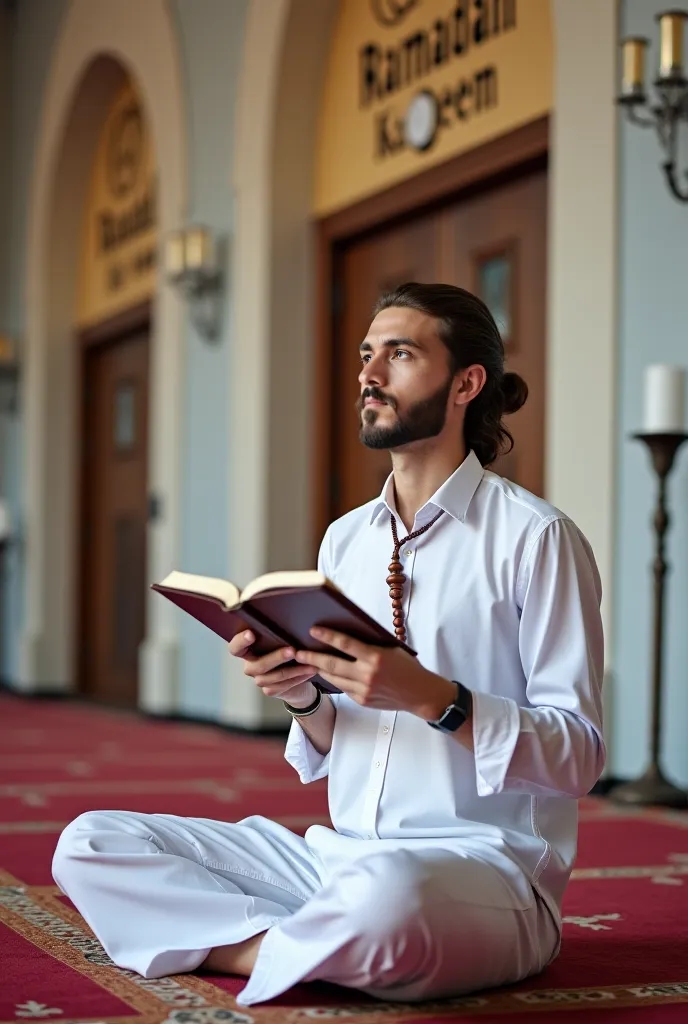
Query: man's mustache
(376,395)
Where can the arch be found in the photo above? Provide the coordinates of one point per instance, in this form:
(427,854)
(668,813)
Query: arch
(284,56)
(95,43)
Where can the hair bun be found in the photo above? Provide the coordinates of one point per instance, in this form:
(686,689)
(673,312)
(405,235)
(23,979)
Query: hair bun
(515,392)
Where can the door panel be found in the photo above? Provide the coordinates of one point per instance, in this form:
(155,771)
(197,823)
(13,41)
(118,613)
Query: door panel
(499,252)
(409,252)
(493,244)
(113,542)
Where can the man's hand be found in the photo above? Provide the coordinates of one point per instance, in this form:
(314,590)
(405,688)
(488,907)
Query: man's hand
(271,675)
(388,679)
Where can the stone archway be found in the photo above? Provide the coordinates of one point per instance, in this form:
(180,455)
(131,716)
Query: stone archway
(95,44)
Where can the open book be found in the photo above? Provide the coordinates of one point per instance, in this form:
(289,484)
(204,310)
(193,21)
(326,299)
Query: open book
(279,608)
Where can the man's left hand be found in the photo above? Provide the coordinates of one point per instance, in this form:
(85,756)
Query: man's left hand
(389,679)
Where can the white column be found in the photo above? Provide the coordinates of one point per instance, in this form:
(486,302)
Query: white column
(583,257)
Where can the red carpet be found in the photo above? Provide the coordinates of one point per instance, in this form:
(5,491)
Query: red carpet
(625,952)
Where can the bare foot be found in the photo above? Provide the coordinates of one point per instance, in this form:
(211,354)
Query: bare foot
(237,958)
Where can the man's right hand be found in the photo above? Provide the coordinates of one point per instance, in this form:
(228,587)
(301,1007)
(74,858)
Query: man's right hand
(290,684)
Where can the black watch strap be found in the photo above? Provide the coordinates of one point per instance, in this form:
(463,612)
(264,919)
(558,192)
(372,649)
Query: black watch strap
(458,712)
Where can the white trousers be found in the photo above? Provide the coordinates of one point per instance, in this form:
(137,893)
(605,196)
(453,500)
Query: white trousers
(160,891)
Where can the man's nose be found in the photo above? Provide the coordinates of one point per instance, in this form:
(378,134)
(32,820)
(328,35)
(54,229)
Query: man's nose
(372,372)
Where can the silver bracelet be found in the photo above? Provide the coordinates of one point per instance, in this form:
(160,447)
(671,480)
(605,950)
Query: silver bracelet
(309,710)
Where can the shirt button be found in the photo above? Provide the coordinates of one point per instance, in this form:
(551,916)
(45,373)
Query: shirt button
(370,835)
(385,728)
(408,552)
(377,764)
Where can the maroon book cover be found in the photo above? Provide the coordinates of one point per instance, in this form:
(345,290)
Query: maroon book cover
(284,617)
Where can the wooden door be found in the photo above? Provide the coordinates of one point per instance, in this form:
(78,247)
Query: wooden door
(114,515)
(368,268)
(494,244)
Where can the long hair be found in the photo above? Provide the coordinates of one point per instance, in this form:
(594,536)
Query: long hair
(471,336)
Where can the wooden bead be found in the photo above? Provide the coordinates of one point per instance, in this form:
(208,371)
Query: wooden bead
(397,579)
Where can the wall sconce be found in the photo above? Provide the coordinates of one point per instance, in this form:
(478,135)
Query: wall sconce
(192,264)
(9,375)
(671,104)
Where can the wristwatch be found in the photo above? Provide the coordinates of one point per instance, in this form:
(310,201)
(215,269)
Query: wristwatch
(456,714)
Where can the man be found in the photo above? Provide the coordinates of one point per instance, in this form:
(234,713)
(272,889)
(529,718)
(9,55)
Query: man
(453,775)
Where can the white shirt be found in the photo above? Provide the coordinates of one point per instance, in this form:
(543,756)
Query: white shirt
(504,596)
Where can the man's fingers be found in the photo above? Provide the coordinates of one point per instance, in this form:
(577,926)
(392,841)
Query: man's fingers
(268,662)
(329,664)
(240,643)
(349,686)
(284,689)
(342,642)
(297,673)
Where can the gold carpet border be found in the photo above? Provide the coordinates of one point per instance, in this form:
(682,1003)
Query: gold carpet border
(49,925)
(58,930)
(612,997)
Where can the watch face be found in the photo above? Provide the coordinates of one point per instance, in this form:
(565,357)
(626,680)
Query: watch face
(456,714)
(422,117)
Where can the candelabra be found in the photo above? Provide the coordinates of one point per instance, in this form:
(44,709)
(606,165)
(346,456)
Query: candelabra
(671,105)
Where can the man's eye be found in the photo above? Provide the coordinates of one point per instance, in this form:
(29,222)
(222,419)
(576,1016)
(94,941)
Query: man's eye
(364,359)
(401,352)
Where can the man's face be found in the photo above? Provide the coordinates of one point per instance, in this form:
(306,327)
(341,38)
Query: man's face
(405,380)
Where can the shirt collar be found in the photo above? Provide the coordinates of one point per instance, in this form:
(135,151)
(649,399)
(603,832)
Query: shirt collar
(453,496)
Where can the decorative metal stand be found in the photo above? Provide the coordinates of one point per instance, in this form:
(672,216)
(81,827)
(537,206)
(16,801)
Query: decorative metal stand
(653,787)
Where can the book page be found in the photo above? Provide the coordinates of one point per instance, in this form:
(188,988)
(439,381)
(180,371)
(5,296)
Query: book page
(284,579)
(208,586)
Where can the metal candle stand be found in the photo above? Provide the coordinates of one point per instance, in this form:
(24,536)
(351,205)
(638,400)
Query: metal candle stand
(653,787)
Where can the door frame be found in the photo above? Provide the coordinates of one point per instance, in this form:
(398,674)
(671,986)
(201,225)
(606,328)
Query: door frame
(513,155)
(116,328)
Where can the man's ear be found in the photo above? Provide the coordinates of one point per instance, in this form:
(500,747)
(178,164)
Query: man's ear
(471,381)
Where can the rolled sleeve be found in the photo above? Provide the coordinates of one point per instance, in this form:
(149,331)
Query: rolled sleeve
(300,753)
(496,728)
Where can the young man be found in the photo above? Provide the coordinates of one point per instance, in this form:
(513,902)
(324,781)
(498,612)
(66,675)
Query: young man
(453,775)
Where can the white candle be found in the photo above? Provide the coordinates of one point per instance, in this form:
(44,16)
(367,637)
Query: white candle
(665,392)
(174,256)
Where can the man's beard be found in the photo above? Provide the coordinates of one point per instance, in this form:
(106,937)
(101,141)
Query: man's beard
(422,420)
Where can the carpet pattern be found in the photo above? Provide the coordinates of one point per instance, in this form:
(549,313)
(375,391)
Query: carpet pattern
(625,950)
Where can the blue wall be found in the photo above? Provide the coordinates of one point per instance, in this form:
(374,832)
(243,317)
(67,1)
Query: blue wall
(653,327)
